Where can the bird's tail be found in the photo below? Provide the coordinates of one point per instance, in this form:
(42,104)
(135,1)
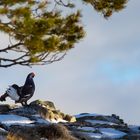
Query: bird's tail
(12,92)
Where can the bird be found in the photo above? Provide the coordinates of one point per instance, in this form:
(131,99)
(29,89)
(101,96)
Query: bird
(21,94)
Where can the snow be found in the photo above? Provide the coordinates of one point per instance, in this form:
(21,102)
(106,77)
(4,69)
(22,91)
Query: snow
(112,133)
(107,133)
(103,132)
(3,130)
(100,122)
(85,115)
(57,121)
(47,121)
(93,135)
(86,128)
(14,119)
(40,120)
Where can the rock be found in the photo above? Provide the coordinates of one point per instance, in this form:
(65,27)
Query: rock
(113,119)
(70,118)
(44,109)
(48,111)
(4,108)
(46,104)
(3,137)
(3,134)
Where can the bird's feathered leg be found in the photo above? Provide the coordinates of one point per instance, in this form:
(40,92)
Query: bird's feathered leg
(24,103)
(3,97)
(23,100)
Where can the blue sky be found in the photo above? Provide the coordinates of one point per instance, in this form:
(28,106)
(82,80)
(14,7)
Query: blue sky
(100,75)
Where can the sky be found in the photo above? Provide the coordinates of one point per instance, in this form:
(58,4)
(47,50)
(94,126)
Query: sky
(100,75)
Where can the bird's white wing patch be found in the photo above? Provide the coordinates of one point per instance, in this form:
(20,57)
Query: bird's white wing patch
(12,93)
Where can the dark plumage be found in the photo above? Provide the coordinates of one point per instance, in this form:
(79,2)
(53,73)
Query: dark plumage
(28,89)
(21,94)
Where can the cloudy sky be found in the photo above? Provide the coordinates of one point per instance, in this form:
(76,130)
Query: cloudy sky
(100,75)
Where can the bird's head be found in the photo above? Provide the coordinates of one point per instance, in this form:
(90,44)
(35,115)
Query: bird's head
(29,79)
(31,75)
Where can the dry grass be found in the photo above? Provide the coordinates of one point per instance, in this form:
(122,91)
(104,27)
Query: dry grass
(51,132)
(58,132)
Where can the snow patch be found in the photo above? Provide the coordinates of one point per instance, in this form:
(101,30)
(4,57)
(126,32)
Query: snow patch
(57,121)
(112,133)
(14,119)
(86,128)
(40,120)
(94,135)
(2,130)
(100,122)
(85,115)
(103,133)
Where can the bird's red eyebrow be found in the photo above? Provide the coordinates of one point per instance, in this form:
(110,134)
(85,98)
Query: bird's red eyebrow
(33,73)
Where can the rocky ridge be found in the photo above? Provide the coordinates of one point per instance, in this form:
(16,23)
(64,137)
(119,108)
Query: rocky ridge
(42,121)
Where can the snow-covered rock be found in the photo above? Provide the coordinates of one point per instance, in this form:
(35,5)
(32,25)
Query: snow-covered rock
(9,120)
(95,126)
(42,121)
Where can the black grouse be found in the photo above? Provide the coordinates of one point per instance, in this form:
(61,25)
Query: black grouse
(21,94)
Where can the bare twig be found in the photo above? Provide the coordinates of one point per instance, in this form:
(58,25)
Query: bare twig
(11,47)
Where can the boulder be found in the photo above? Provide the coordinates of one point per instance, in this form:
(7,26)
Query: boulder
(44,109)
(46,104)
(4,108)
(69,118)
(47,110)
